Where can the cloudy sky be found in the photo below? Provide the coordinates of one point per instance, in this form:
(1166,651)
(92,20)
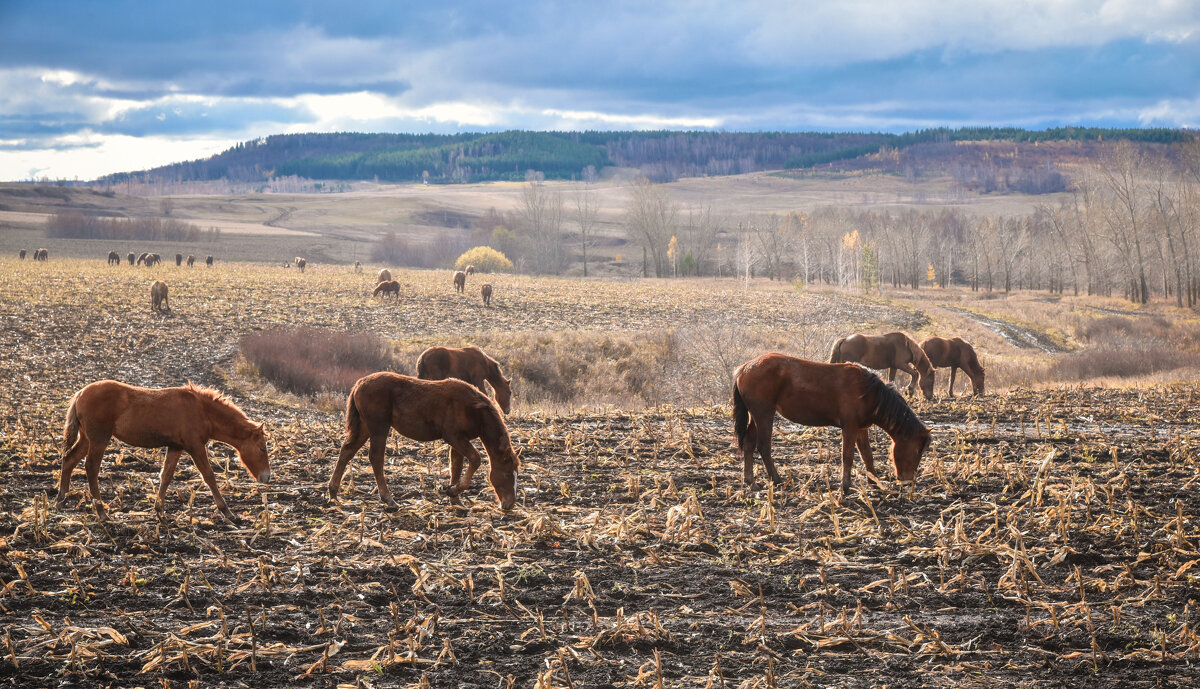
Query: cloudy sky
(88,88)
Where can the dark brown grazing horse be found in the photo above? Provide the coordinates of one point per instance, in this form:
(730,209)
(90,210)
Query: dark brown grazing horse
(468,363)
(180,419)
(21,254)
(153,260)
(208,260)
(130,257)
(384,276)
(892,351)
(955,353)
(191,261)
(158,296)
(460,281)
(114,257)
(41,255)
(178,260)
(848,396)
(142,258)
(387,287)
(486,293)
(469,270)
(300,263)
(425,410)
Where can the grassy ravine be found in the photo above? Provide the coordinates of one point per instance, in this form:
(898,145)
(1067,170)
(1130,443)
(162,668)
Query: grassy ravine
(1053,538)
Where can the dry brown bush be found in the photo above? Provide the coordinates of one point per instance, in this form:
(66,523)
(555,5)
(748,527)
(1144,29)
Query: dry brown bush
(308,361)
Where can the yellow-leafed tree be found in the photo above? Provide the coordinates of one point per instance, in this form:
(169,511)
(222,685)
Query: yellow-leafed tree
(485,259)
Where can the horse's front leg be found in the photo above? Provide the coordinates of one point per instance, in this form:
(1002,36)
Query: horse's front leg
(953,370)
(912,377)
(456,465)
(863,442)
(464,449)
(200,459)
(164,477)
(849,437)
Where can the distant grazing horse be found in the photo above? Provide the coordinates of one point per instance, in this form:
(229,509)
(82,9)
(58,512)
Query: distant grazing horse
(153,260)
(130,257)
(891,351)
(114,257)
(955,353)
(424,410)
(387,287)
(142,258)
(468,363)
(384,276)
(208,260)
(41,255)
(469,270)
(300,263)
(180,419)
(357,267)
(191,261)
(848,396)
(486,293)
(178,260)
(460,281)
(21,254)
(158,296)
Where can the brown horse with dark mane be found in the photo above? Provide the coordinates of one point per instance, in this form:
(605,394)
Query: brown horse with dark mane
(468,363)
(892,351)
(384,275)
(387,287)
(21,254)
(426,410)
(469,270)
(130,256)
(208,261)
(180,419)
(955,353)
(848,396)
(114,258)
(486,293)
(300,263)
(460,281)
(41,255)
(158,296)
(191,261)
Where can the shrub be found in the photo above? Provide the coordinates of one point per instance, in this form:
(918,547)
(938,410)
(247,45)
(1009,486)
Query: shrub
(485,259)
(308,361)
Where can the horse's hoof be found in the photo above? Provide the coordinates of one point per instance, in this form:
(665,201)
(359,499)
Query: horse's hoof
(451,490)
(390,506)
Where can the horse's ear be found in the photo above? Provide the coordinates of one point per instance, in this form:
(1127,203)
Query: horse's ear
(262,427)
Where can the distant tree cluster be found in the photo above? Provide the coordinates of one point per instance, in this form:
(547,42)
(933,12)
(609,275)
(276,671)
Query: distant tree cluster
(75,225)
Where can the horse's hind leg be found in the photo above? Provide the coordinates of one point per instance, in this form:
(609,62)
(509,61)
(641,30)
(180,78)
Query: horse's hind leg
(69,461)
(376,454)
(92,467)
(764,448)
(749,443)
(355,439)
(164,477)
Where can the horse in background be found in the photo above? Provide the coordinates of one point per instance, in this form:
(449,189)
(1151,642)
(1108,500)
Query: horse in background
(385,288)
(469,270)
(142,258)
(158,296)
(955,353)
(208,260)
(300,263)
(892,351)
(114,258)
(131,257)
(460,281)
(426,410)
(384,276)
(468,363)
(180,419)
(191,261)
(21,254)
(848,396)
(486,293)
(41,255)
(178,260)
(357,267)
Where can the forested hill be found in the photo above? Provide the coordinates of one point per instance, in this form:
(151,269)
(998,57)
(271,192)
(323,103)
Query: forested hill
(660,155)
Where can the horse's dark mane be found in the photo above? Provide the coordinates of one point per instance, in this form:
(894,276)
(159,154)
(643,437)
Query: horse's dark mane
(891,412)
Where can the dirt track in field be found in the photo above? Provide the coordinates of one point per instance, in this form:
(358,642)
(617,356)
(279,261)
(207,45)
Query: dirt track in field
(1053,537)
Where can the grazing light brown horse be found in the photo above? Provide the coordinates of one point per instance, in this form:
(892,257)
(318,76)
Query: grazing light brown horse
(181,419)
(142,258)
(892,351)
(387,287)
(300,263)
(468,363)
(848,396)
(158,296)
(955,353)
(384,276)
(469,270)
(426,410)
(486,293)
(191,261)
(460,281)
(41,255)
(114,257)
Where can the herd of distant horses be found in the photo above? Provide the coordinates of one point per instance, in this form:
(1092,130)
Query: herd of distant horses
(446,401)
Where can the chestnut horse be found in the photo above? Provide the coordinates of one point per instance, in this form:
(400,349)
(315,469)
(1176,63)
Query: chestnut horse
(300,263)
(178,260)
(191,261)
(181,419)
(41,255)
(387,287)
(486,293)
(158,296)
(426,410)
(114,257)
(130,257)
(384,276)
(468,363)
(891,351)
(955,353)
(21,254)
(848,396)
(469,270)
(208,261)
(460,281)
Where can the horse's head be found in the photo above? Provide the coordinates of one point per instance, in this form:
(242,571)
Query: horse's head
(977,382)
(906,454)
(253,453)
(503,388)
(503,475)
(926,384)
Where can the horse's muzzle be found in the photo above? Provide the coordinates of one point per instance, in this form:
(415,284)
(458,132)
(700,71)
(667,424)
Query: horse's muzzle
(908,487)
(264,476)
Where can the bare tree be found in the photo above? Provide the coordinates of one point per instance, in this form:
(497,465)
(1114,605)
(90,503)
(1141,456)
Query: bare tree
(650,220)
(1119,171)
(542,215)
(586,212)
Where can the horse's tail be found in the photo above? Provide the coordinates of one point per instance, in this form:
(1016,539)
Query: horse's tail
(741,415)
(353,418)
(71,427)
(835,355)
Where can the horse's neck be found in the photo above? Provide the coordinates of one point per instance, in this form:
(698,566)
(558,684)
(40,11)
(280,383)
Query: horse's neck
(228,425)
